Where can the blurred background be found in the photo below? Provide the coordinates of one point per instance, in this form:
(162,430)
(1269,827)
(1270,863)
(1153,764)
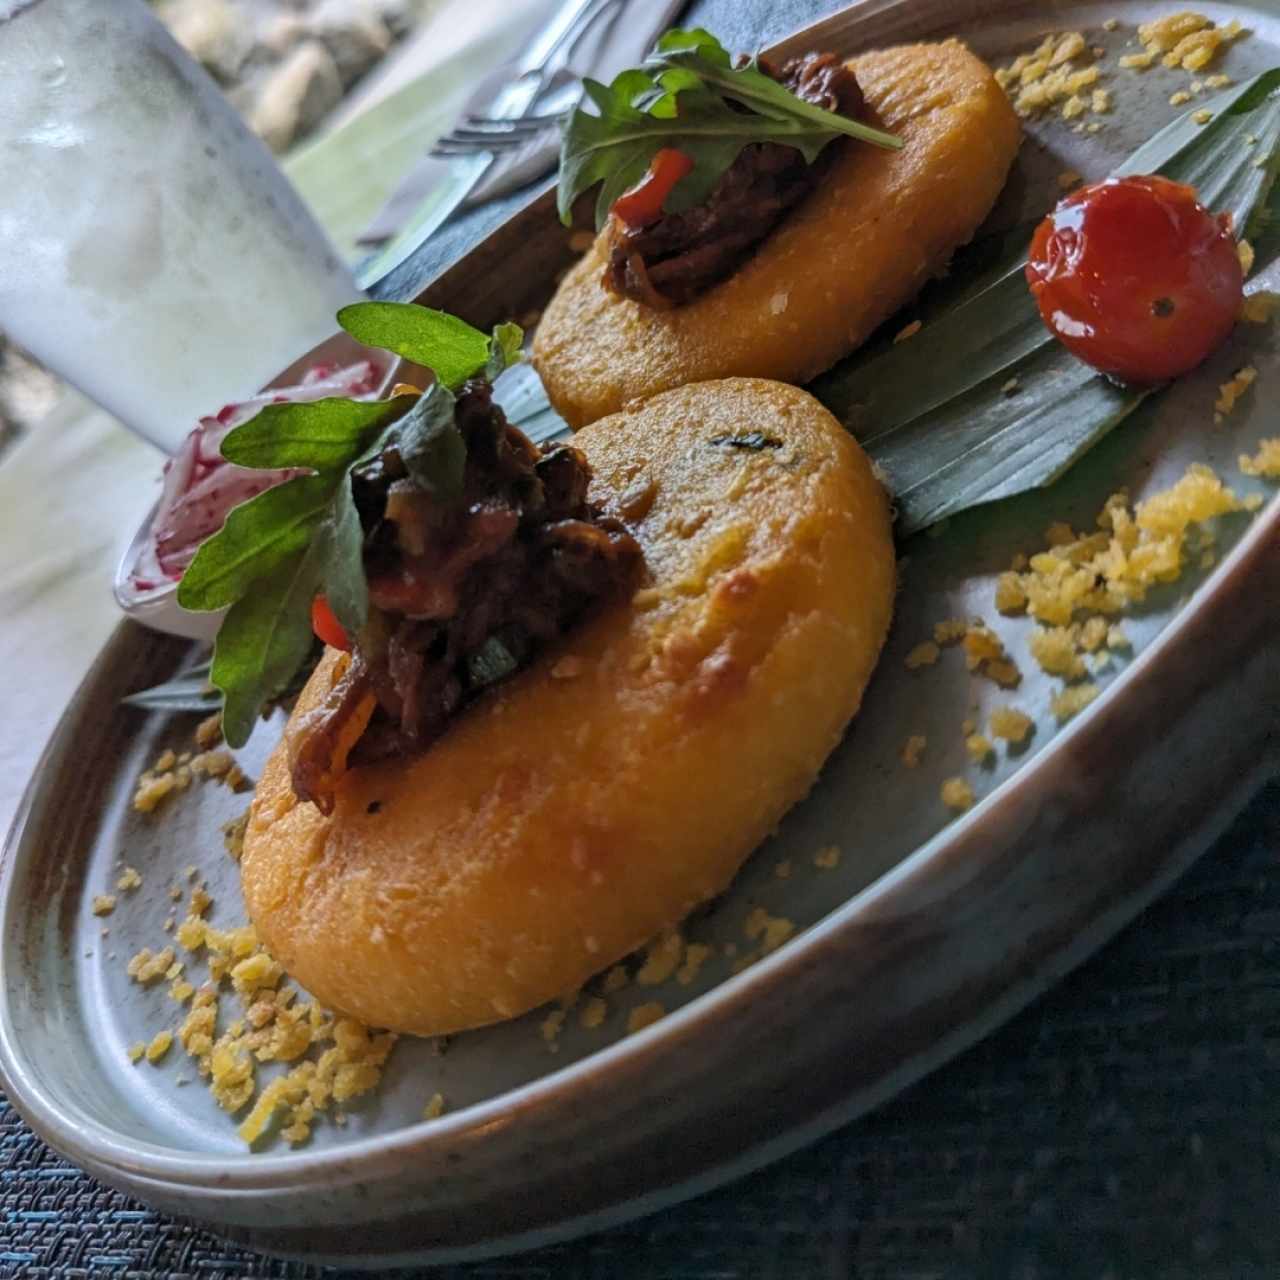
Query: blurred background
(297,70)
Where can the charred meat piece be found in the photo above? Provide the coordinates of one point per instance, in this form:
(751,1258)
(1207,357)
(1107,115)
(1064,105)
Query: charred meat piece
(680,256)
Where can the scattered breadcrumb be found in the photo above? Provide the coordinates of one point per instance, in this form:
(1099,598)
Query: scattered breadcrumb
(1137,61)
(1203,116)
(593,1012)
(768,930)
(1072,700)
(1010,387)
(925,654)
(136,1051)
(662,959)
(827,858)
(209,731)
(1244,251)
(1010,724)
(615,979)
(985,655)
(1187,40)
(644,1015)
(152,789)
(434,1108)
(1111,24)
(950,631)
(913,749)
(979,748)
(104,904)
(1266,462)
(129,880)
(957,794)
(696,954)
(1230,392)
(159,1046)
(1180,98)
(908,331)
(1054,74)
(1259,307)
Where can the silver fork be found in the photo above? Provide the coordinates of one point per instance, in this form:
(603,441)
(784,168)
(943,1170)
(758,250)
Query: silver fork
(509,122)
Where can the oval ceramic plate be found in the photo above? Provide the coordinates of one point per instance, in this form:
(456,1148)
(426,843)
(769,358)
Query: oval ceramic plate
(913,935)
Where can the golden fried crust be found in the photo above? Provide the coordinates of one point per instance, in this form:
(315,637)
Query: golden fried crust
(879,225)
(620,780)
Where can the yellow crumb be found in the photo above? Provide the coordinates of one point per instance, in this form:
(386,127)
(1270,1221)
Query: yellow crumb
(828,858)
(1074,106)
(1266,462)
(615,979)
(1111,24)
(1180,98)
(908,331)
(593,1012)
(551,1027)
(151,790)
(1244,251)
(129,880)
(1202,116)
(1010,597)
(1259,307)
(1009,387)
(913,749)
(1070,701)
(783,869)
(104,904)
(950,631)
(434,1108)
(1218,82)
(979,748)
(957,794)
(136,1051)
(770,931)
(1054,648)
(209,731)
(662,959)
(644,1015)
(696,954)
(1010,724)
(924,654)
(1137,61)
(1100,102)
(164,762)
(159,1046)
(1230,392)
(147,967)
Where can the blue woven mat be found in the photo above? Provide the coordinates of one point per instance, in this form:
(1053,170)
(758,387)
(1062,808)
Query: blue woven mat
(1126,1126)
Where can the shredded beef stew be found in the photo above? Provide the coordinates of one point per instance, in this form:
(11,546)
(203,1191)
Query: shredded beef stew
(462,594)
(680,256)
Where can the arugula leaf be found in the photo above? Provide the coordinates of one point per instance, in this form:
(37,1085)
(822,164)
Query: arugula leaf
(259,536)
(431,446)
(318,434)
(506,348)
(339,543)
(263,640)
(451,348)
(683,100)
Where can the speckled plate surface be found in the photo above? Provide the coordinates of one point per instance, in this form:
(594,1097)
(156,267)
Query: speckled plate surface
(924,935)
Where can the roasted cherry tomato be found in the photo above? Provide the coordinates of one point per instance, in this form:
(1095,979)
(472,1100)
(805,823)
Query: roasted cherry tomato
(643,203)
(326,625)
(1137,278)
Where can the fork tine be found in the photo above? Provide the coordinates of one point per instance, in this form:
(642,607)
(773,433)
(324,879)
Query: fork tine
(523,124)
(486,137)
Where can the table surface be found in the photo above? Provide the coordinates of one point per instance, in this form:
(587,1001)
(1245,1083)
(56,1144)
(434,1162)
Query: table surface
(1127,1125)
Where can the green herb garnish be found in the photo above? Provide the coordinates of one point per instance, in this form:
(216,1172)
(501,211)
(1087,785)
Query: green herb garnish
(684,98)
(277,551)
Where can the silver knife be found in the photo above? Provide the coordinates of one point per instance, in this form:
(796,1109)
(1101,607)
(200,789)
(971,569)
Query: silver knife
(462,173)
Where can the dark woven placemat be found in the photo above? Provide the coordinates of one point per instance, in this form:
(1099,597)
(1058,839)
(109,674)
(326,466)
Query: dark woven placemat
(1126,1126)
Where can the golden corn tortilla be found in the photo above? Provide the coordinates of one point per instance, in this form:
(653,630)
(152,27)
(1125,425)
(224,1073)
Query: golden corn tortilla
(598,796)
(860,246)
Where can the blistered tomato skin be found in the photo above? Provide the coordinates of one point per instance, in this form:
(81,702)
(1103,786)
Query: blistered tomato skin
(1137,278)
